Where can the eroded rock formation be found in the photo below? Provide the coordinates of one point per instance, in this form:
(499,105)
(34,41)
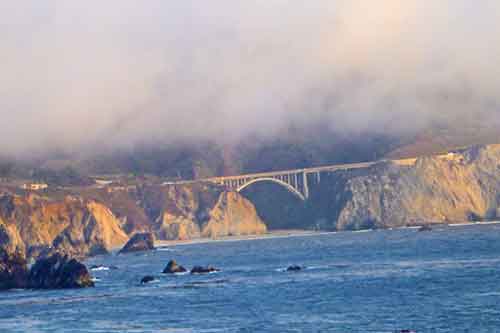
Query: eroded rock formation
(191,212)
(139,242)
(59,272)
(13,266)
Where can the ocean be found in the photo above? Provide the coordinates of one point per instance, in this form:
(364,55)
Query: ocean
(444,280)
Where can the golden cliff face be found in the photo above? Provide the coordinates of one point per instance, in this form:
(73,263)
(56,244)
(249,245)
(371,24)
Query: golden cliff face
(108,227)
(81,225)
(192,212)
(457,187)
(233,215)
(10,240)
(73,225)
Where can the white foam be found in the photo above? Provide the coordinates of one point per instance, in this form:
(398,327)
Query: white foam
(100,268)
(364,230)
(165,249)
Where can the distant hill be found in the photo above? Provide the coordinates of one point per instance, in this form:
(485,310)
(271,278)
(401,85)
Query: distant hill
(293,148)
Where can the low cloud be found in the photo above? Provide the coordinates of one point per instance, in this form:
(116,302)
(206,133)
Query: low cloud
(92,74)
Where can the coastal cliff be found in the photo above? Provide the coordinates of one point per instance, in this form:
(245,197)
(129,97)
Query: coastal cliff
(91,222)
(453,188)
(71,225)
(186,212)
(456,187)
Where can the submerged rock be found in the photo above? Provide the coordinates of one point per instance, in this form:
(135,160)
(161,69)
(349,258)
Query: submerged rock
(425,228)
(139,242)
(59,272)
(204,270)
(173,267)
(294,268)
(147,279)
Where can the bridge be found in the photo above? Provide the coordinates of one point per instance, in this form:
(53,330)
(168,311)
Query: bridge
(295,181)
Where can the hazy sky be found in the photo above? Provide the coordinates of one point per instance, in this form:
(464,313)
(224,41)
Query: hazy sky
(120,72)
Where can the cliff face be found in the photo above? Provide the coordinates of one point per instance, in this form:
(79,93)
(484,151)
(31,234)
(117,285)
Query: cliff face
(192,211)
(457,187)
(90,222)
(13,266)
(10,240)
(233,215)
(72,225)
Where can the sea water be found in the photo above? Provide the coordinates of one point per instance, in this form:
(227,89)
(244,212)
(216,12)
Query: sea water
(445,280)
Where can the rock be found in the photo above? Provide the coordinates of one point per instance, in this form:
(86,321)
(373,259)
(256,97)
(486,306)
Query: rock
(232,215)
(13,266)
(204,270)
(193,211)
(147,279)
(173,268)
(13,270)
(425,228)
(59,272)
(139,242)
(294,268)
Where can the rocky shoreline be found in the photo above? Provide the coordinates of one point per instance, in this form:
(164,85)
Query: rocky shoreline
(459,187)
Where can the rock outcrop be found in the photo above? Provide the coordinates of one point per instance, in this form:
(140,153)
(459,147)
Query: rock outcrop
(173,268)
(233,215)
(294,268)
(204,270)
(13,266)
(59,272)
(206,211)
(147,279)
(139,242)
(13,270)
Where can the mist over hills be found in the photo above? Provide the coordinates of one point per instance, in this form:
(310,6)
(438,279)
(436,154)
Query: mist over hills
(189,89)
(296,148)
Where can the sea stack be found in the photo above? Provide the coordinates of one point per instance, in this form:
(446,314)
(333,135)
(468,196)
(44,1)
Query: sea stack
(139,242)
(173,268)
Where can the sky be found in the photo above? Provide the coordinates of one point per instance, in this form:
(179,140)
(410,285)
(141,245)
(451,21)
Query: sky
(118,73)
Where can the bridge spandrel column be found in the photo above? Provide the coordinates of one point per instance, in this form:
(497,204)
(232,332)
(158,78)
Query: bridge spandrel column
(305,185)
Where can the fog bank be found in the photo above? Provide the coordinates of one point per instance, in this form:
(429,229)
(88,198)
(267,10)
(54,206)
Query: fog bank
(92,74)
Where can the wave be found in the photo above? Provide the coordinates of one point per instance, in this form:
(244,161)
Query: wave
(99,268)
(166,249)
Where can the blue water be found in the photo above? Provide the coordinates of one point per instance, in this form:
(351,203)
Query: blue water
(447,280)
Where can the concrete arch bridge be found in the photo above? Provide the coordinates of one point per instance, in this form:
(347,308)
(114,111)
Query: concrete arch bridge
(295,181)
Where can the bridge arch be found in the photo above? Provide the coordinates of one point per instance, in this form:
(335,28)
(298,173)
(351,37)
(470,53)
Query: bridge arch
(289,187)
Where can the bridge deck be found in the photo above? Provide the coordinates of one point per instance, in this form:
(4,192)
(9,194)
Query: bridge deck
(293,171)
(335,167)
